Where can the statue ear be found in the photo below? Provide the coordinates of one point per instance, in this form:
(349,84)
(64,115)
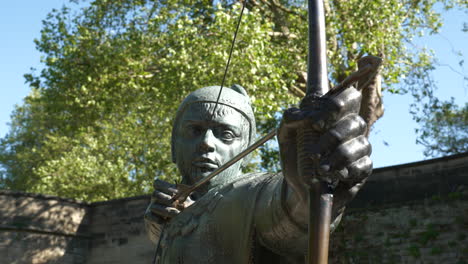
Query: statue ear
(239,89)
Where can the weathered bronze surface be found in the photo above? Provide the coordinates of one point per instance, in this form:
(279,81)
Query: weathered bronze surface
(262,217)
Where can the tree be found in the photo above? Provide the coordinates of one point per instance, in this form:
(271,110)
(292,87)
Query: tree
(443,125)
(97,123)
(445,129)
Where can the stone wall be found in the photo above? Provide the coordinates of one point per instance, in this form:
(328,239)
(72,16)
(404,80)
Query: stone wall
(42,229)
(118,231)
(434,231)
(45,229)
(412,213)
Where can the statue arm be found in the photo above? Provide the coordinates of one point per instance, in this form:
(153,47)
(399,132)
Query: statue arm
(342,155)
(281,218)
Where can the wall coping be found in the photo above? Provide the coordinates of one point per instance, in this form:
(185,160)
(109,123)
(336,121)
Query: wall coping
(414,181)
(40,196)
(420,163)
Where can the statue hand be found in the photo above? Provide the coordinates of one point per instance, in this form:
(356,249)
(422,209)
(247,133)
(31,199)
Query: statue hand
(161,209)
(340,145)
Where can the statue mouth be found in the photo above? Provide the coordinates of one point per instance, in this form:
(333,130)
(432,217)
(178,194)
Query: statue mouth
(205,164)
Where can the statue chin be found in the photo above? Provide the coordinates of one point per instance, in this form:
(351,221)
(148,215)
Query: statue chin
(197,174)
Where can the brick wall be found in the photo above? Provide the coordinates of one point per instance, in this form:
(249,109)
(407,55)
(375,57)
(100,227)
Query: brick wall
(412,213)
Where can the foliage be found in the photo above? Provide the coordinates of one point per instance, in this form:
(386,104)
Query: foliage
(443,125)
(97,123)
(444,128)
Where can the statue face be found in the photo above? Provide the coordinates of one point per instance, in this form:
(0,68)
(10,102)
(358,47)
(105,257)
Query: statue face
(202,145)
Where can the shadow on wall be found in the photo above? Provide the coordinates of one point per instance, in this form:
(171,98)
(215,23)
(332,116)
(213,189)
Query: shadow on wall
(42,229)
(46,229)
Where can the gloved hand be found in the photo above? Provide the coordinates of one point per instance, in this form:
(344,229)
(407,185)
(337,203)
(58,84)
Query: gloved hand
(160,209)
(337,146)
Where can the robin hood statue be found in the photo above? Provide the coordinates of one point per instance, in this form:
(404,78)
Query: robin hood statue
(258,217)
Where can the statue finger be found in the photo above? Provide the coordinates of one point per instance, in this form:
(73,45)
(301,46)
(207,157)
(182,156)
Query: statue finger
(326,111)
(188,202)
(164,211)
(359,170)
(331,177)
(165,187)
(349,152)
(161,198)
(342,174)
(348,101)
(347,128)
(314,118)
(334,108)
(345,192)
(292,118)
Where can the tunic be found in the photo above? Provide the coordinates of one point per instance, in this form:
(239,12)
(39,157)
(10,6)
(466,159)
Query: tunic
(241,222)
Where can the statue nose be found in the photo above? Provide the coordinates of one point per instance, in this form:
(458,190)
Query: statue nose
(208,141)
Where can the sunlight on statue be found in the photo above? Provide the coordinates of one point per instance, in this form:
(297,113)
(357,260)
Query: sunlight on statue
(255,217)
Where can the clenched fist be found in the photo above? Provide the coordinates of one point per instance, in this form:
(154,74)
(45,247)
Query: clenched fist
(335,144)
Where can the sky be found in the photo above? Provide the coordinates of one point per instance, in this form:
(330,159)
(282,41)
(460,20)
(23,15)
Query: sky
(393,138)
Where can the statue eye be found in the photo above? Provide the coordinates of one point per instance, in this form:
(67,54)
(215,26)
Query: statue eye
(227,135)
(194,130)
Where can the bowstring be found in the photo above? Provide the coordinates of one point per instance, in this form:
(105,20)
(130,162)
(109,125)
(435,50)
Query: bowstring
(219,94)
(229,59)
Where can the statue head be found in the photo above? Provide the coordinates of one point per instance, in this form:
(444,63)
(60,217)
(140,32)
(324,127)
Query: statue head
(203,140)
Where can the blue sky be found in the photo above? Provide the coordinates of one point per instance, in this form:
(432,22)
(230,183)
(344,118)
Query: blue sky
(393,136)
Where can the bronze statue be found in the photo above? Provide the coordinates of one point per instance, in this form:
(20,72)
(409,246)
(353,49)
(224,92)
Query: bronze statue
(260,217)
